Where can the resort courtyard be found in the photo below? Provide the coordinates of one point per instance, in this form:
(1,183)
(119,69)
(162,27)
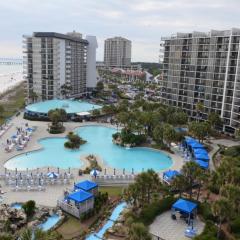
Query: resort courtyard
(51,193)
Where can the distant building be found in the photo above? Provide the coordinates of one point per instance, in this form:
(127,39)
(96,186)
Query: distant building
(59,65)
(117,52)
(203,67)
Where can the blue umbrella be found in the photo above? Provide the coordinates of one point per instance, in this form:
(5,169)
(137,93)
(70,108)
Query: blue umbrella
(13,136)
(94,172)
(52,175)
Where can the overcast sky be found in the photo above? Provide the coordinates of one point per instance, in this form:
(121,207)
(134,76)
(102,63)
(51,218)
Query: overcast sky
(142,21)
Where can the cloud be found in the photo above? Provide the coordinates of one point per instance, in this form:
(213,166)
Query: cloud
(142,21)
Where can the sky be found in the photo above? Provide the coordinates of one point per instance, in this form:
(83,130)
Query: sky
(144,22)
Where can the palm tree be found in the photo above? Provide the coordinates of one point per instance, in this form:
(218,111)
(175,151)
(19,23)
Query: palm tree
(158,134)
(200,109)
(1,110)
(191,171)
(232,193)
(169,133)
(221,209)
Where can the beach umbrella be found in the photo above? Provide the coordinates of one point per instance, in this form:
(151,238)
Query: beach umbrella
(94,172)
(52,175)
(13,136)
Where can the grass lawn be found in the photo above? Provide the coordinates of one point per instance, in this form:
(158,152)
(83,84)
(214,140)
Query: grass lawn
(12,101)
(71,228)
(112,191)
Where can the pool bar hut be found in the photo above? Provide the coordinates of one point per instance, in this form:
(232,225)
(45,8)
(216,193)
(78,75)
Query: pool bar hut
(87,186)
(186,209)
(79,201)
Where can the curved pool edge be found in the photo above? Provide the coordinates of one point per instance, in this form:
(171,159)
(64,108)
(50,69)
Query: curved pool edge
(86,124)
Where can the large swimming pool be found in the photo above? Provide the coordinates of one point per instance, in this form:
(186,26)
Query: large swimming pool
(71,106)
(99,142)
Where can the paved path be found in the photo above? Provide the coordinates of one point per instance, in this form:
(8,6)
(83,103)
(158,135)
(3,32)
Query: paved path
(168,229)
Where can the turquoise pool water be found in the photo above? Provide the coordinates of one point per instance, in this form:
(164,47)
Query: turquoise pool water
(50,222)
(115,214)
(99,142)
(71,106)
(16,205)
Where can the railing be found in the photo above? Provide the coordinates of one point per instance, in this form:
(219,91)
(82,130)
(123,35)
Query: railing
(155,237)
(114,180)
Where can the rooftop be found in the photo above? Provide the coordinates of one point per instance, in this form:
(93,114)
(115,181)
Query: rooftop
(86,185)
(80,196)
(61,36)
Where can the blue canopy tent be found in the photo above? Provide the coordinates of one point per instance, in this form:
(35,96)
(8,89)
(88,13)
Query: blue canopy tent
(199,150)
(169,175)
(85,185)
(79,196)
(196,145)
(202,156)
(202,164)
(185,206)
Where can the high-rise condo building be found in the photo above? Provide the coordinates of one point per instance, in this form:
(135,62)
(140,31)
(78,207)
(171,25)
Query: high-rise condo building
(117,52)
(59,65)
(203,67)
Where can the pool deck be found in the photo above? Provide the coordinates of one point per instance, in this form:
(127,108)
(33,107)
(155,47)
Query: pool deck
(168,229)
(52,193)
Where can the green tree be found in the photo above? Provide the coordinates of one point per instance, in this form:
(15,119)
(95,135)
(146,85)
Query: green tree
(29,207)
(214,119)
(232,193)
(1,110)
(100,86)
(221,209)
(139,232)
(199,129)
(191,171)
(158,134)
(169,134)
(5,236)
(199,109)
(33,96)
(96,112)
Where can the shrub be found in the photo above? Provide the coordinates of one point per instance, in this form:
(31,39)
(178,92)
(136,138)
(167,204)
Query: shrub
(232,151)
(54,130)
(149,212)
(235,225)
(29,207)
(209,232)
(206,212)
(74,141)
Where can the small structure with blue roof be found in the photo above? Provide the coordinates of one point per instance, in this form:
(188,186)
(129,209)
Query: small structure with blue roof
(186,208)
(169,175)
(80,200)
(87,186)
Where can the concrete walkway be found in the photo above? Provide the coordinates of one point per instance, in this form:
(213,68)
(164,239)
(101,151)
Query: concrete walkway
(168,229)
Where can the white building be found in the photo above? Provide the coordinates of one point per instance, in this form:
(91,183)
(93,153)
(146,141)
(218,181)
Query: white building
(204,67)
(59,65)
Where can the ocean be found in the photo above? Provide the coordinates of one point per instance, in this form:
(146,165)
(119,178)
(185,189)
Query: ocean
(10,74)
